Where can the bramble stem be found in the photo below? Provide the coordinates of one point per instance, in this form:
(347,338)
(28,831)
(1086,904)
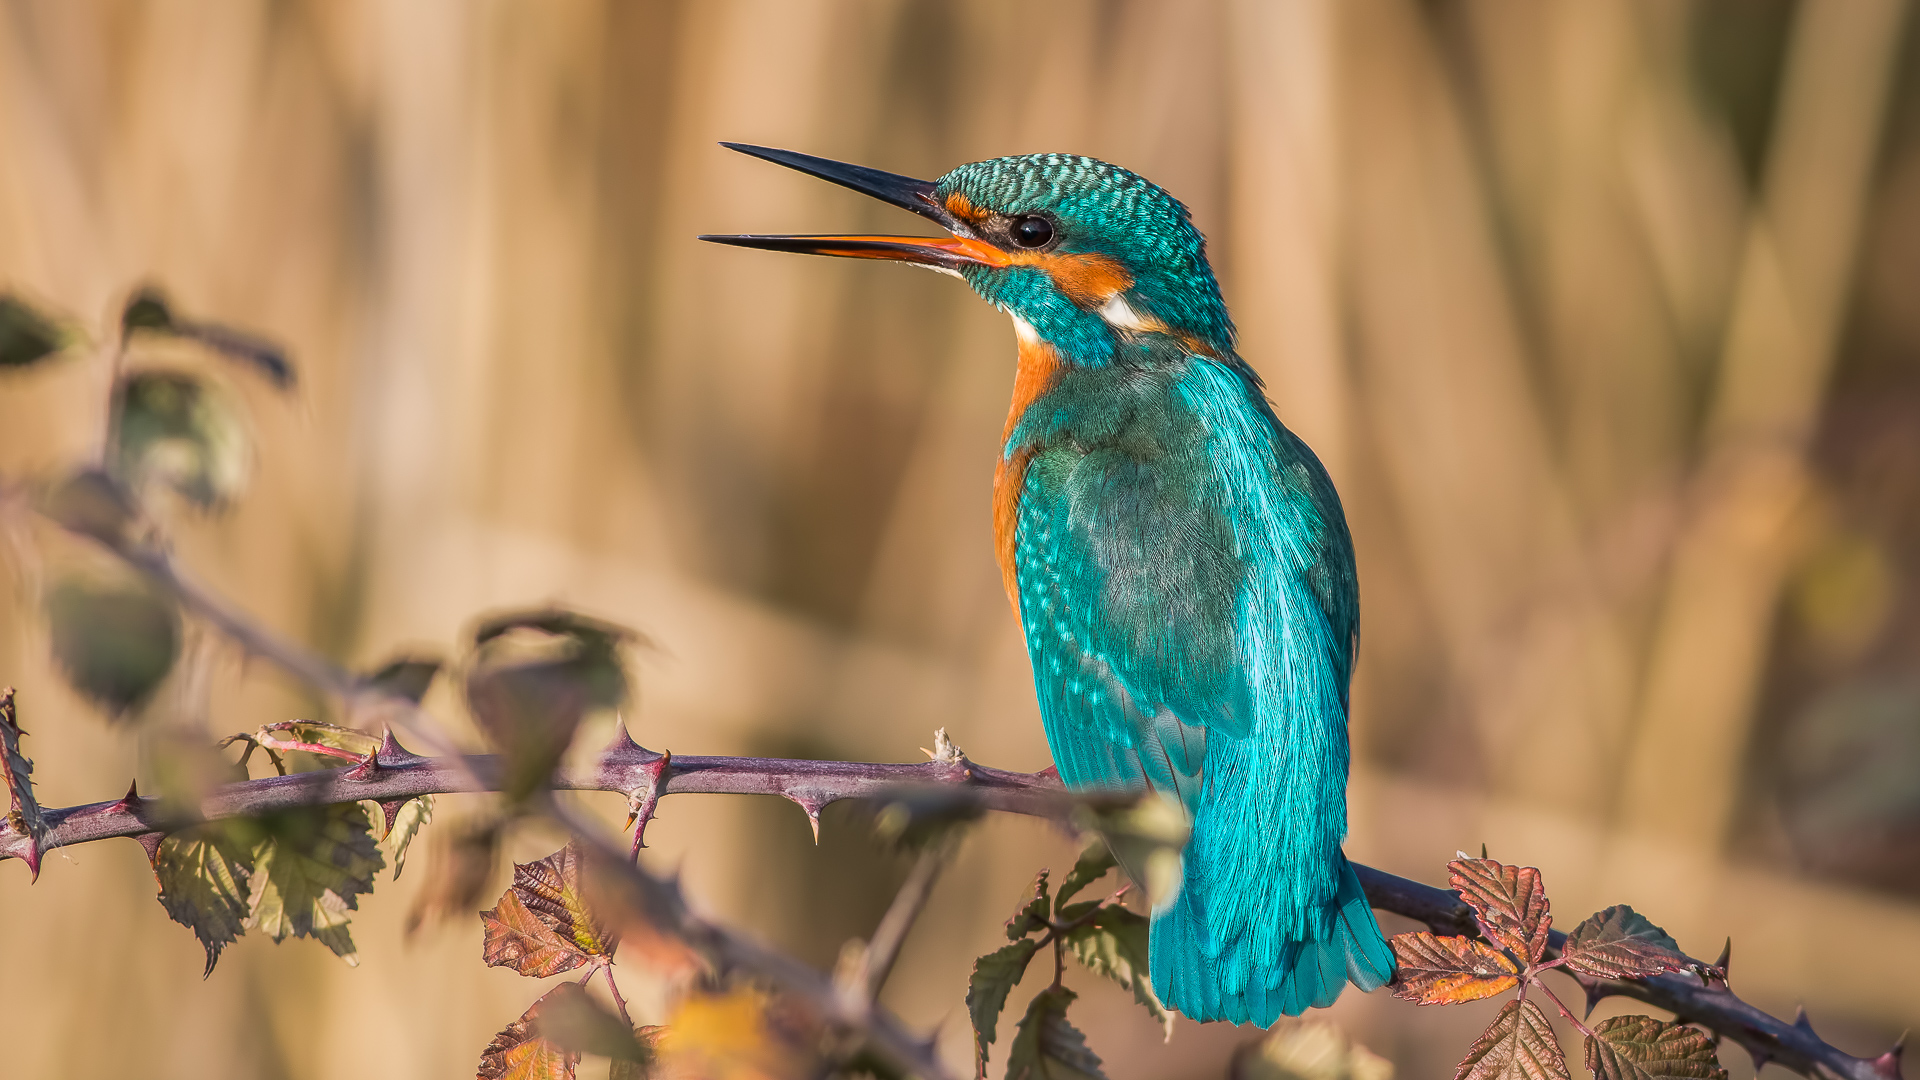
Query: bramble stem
(1564,1011)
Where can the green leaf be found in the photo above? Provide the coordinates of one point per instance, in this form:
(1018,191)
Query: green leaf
(310,868)
(114,639)
(1093,864)
(534,676)
(1113,943)
(1308,1050)
(403,824)
(519,1053)
(994,977)
(571,1019)
(1619,943)
(148,310)
(26,336)
(203,875)
(1047,1047)
(1145,833)
(1642,1048)
(1518,1045)
(1031,915)
(23,811)
(178,430)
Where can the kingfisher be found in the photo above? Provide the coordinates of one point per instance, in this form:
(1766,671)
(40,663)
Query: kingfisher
(1177,558)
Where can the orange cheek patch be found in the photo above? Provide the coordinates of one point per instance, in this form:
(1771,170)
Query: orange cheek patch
(1088,279)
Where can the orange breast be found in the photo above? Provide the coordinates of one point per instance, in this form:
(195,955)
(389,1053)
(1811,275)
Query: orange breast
(1039,371)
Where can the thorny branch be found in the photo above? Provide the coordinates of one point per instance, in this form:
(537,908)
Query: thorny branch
(644,776)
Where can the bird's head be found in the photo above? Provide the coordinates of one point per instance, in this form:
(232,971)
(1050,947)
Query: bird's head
(1085,255)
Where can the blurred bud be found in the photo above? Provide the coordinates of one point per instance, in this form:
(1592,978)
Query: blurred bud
(115,638)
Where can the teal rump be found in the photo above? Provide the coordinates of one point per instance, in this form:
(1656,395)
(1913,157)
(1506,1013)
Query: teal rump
(1178,559)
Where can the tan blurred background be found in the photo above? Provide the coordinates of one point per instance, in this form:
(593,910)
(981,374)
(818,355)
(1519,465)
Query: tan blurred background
(1603,316)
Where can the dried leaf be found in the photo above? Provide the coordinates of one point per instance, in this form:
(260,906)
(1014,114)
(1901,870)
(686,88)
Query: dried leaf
(179,430)
(114,639)
(571,1019)
(517,938)
(517,1053)
(1113,943)
(409,677)
(1145,833)
(1619,943)
(402,826)
(203,873)
(309,871)
(1437,970)
(23,811)
(1047,1047)
(1642,1048)
(1094,863)
(1518,1045)
(1510,901)
(26,336)
(994,977)
(550,889)
(534,676)
(1308,1050)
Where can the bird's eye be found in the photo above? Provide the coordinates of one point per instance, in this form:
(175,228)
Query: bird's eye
(1032,231)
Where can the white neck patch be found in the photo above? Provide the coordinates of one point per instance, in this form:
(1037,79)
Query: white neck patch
(1120,316)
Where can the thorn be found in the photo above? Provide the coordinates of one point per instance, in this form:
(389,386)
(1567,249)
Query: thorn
(1483,849)
(366,769)
(621,742)
(130,802)
(151,841)
(1800,1019)
(1726,957)
(1760,1058)
(391,754)
(1888,1064)
(391,808)
(1595,991)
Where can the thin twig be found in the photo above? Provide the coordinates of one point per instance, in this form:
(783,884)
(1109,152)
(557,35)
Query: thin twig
(878,957)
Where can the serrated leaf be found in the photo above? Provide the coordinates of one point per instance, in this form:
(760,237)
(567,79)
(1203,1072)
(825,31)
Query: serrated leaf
(516,938)
(550,889)
(1145,833)
(1511,902)
(309,870)
(1113,943)
(23,810)
(26,336)
(1518,1045)
(1031,915)
(1434,970)
(1642,1048)
(534,676)
(115,640)
(1620,943)
(994,977)
(403,825)
(1094,862)
(571,1019)
(203,874)
(517,1053)
(1308,1050)
(178,430)
(1047,1047)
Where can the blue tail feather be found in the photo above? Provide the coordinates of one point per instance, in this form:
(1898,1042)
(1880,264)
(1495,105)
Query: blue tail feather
(1205,983)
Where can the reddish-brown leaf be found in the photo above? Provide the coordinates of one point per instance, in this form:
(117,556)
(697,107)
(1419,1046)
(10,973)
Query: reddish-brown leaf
(1518,1045)
(551,890)
(519,1054)
(1510,901)
(1619,943)
(1642,1048)
(517,938)
(1449,970)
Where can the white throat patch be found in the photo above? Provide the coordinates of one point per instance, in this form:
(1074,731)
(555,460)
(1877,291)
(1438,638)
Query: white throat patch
(1122,317)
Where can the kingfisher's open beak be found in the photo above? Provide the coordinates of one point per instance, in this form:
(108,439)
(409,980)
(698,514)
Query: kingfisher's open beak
(941,253)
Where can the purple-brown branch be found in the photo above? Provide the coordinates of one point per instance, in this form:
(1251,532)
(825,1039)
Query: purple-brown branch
(394,773)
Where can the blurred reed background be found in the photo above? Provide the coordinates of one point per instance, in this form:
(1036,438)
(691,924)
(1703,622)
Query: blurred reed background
(1601,314)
